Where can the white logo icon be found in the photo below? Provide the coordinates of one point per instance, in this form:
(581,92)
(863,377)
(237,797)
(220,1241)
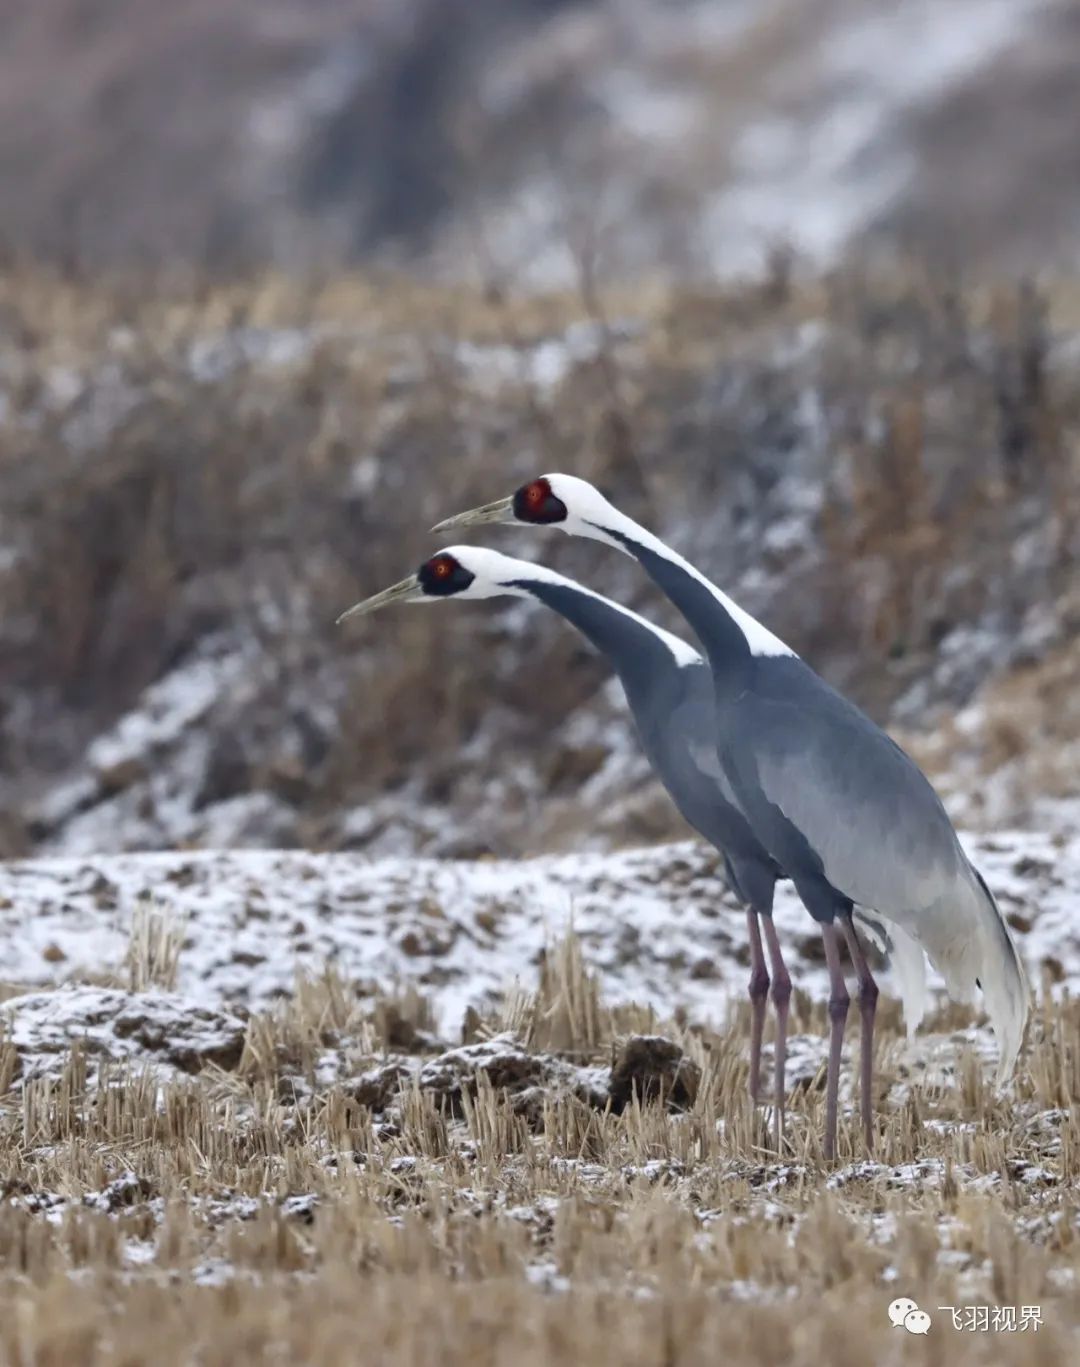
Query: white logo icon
(904,1312)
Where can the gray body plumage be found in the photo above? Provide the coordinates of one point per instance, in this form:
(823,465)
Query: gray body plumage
(672,700)
(673,706)
(798,754)
(842,809)
(828,797)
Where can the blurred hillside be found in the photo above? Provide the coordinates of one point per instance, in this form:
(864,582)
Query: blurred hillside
(282,283)
(197,481)
(506,140)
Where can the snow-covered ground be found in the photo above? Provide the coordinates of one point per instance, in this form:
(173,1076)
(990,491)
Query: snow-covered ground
(229,932)
(657,924)
(162,1028)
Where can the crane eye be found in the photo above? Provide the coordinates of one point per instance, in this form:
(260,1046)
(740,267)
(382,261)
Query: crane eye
(535,502)
(442,576)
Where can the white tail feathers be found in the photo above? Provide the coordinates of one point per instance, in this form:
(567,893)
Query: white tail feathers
(968,941)
(905,960)
(972,947)
(1004,982)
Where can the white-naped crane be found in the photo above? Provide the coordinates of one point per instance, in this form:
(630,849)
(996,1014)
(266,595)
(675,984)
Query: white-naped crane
(848,816)
(669,691)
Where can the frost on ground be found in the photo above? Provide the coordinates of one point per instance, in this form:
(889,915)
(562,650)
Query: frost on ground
(126,1027)
(657,925)
(361,1076)
(429,949)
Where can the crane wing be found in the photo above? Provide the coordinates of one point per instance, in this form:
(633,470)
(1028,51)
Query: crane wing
(694,723)
(859,801)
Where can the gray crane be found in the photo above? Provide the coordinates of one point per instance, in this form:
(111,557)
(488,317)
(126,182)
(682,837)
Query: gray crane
(669,690)
(836,803)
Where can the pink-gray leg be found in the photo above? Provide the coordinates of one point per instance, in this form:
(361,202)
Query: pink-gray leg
(868,995)
(839,1001)
(759,991)
(781,995)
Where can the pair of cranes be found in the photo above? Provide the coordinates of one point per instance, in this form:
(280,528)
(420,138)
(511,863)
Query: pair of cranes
(783,775)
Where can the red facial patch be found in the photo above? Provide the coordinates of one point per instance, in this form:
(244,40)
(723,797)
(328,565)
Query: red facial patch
(535,503)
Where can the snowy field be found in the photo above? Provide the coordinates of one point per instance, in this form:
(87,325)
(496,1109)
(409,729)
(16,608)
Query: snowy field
(266,1092)
(656,925)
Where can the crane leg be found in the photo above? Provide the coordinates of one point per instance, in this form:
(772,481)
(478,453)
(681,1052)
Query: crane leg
(839,1001)
(781,995)
(759,991)
(868,995)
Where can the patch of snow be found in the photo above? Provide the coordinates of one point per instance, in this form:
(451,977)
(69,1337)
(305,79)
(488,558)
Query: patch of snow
(657,925)
(143,776)
(647,111)
(212,358)
(139,1252)
(165,710)
(213,1272)
(157,1028)
(545,1274)
(815,176)
(544,365)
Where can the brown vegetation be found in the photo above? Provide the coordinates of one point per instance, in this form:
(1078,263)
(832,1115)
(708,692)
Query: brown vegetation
(493,1211)
(191,472)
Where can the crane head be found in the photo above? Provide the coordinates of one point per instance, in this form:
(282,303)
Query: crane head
(457,572)
(572,505)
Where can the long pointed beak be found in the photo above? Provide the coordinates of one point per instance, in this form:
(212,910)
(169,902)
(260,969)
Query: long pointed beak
(500,511)
(403,592)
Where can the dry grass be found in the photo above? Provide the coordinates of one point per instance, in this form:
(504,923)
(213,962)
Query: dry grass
(157,938)
(1020,749)
(488,1212)
(156,514)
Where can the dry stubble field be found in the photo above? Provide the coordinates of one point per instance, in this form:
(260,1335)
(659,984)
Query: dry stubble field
(563,1189)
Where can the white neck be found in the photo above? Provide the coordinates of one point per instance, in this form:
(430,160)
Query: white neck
(504,574)
(598,521)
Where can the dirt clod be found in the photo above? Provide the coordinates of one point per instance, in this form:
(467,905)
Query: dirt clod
(653,1069)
